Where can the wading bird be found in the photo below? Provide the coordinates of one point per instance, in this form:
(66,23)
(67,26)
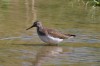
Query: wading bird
(50,36)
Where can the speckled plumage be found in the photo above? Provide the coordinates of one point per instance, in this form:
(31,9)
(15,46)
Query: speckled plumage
(48,35)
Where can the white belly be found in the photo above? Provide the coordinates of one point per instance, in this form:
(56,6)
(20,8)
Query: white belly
(50,39)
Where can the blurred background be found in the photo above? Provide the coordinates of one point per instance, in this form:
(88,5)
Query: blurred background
(73,15)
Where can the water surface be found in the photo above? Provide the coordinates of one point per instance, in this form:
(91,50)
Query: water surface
(19,47)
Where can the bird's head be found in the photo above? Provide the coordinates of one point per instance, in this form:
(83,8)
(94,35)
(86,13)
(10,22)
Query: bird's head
(35,24)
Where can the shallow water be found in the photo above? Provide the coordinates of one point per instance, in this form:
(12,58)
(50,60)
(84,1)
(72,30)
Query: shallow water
(68,56)
(19,47)
(51,56)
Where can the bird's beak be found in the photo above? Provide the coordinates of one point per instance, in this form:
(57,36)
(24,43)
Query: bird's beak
(30,27)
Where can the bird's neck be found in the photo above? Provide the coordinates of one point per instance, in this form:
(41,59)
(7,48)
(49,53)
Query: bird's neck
(39,31)
(39,28)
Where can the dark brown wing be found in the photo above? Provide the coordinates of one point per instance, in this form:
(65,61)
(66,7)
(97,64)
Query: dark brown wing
(55,33)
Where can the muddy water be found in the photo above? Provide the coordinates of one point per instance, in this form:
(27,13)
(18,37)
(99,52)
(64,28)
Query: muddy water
(19,47)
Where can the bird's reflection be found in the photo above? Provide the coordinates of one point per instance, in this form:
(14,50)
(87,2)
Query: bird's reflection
(68,54)
(47,52)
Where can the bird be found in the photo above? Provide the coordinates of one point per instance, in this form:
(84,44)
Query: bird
(48,35)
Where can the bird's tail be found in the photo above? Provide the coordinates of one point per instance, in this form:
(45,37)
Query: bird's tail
(70,36)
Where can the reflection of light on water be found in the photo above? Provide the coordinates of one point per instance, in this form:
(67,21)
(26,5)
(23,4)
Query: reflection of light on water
(25,37)
(20,37)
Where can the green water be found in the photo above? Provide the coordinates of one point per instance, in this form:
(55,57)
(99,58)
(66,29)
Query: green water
(19,47)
